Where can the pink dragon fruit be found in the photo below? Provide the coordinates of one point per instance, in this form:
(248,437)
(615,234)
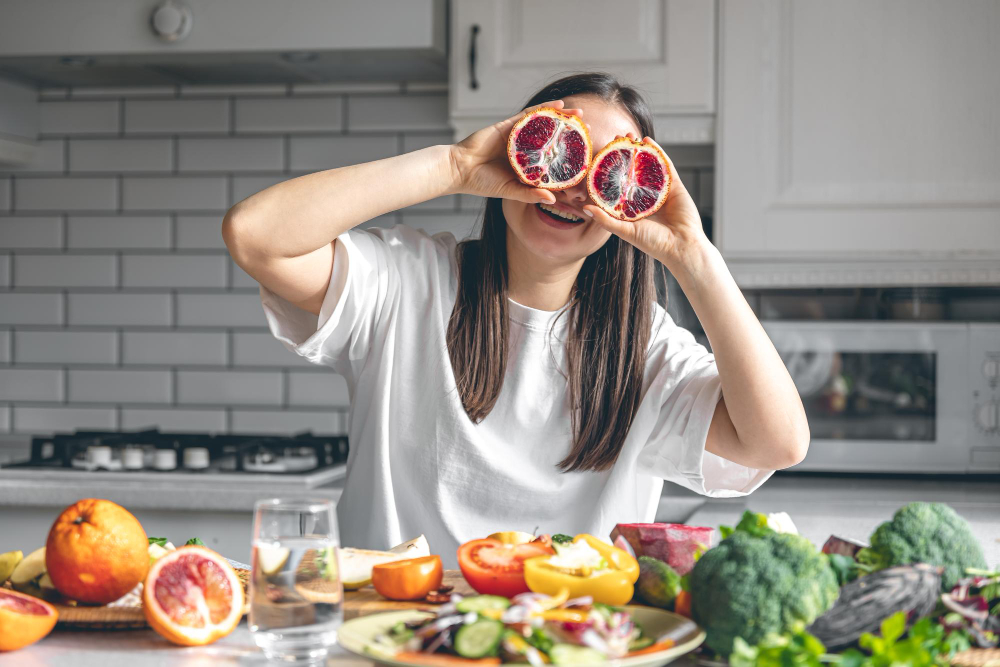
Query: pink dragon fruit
(674,543)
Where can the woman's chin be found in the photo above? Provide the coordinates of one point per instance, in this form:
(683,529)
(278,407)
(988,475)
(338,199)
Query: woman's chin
(553,240)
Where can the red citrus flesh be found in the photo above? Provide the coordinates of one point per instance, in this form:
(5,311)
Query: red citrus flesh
(24,604)
(192,596)
(23,620)
(629,179)
(549,149)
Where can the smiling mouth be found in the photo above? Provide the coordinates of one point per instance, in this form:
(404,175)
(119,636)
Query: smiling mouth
(559,214)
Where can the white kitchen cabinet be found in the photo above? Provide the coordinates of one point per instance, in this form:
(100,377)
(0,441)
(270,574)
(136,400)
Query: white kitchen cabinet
(859,142)
(504,50)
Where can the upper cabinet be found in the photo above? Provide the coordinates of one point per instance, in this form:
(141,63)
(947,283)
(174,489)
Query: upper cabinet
(504,50)
(859,142)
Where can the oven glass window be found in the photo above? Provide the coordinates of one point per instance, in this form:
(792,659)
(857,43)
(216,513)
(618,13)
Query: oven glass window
(867,395)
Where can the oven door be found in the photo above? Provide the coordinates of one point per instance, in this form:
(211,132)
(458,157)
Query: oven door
(880,396)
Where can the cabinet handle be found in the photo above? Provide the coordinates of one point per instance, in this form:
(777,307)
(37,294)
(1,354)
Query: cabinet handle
(473,81)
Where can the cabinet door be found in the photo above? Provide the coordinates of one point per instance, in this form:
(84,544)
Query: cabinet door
(859,142)
(664,47)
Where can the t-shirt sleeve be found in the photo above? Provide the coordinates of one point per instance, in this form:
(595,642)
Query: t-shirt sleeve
(676,412)
(370,269)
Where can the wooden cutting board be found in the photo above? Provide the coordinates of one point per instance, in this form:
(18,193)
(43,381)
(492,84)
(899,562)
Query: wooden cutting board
(356,603)
(366,601)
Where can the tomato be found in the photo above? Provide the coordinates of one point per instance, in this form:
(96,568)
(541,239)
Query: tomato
(410,579)
(682,604)
(494,568)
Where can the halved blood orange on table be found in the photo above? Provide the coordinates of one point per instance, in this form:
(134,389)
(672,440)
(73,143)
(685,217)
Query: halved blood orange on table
(629,179)
(494,568)
(23,619)
(549,149)
(192,596)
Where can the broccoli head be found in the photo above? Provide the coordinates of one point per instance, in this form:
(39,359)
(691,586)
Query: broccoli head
(750,586)
(925,533)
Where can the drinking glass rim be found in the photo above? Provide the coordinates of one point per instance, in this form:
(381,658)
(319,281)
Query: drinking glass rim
(294,504)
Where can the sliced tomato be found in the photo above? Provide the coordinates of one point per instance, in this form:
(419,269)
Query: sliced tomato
(494,568)
(410,579)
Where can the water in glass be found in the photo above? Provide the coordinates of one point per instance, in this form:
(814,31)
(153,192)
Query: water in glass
(296,598)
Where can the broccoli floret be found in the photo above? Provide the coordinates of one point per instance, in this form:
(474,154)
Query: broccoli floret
(925,533)
(750,586)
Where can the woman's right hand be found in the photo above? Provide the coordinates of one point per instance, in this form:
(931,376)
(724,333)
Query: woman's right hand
(481,166)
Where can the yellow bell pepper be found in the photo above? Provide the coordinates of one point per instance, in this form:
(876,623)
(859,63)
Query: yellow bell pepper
(613,584)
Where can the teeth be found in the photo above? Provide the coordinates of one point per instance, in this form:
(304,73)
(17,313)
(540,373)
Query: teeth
(552,210)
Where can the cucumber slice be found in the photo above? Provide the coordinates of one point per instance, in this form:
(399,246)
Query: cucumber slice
(480,639)
(571,654)
(641,643)
(478,603)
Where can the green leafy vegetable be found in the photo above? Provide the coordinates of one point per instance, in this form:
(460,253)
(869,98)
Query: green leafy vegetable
(928,644)
(753,586)
(559,538)
(925,533)
(541,640)
(796,648)
(753,523)
(847,569)
(195,540)
(162,541)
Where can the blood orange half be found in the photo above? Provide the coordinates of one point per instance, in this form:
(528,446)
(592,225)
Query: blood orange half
(23,619)
(192,596)
(549,149)
(629,179)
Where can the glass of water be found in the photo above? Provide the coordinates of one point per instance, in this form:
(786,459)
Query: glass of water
(296,597)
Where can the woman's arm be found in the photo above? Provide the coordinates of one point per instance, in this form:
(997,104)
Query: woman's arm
(284,236)
(760,422)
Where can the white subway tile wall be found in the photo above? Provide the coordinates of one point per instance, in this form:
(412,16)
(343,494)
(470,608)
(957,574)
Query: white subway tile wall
(119,305)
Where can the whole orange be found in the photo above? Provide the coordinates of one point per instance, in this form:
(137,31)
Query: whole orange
(96,551)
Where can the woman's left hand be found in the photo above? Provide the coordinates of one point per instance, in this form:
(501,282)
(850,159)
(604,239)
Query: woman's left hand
(669,235)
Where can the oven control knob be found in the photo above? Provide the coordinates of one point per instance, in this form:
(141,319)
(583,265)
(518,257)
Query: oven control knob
(991,369)
(988,416)
(171,20)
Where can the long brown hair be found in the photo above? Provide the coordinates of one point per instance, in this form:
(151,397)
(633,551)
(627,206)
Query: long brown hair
(609,315)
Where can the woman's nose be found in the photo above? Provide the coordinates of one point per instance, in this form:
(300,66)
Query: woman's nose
(576,195)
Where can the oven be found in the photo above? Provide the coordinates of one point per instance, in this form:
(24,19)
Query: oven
(896,397)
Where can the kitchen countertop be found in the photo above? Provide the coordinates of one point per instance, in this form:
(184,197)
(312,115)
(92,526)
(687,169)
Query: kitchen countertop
(851,506)
(218,494)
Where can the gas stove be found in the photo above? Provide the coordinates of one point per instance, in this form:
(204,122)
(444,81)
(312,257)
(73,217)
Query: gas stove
(304,460)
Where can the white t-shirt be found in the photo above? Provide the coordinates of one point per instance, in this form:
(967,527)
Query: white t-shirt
(418,464)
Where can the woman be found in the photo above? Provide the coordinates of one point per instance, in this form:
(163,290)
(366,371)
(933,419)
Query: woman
(527,379)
